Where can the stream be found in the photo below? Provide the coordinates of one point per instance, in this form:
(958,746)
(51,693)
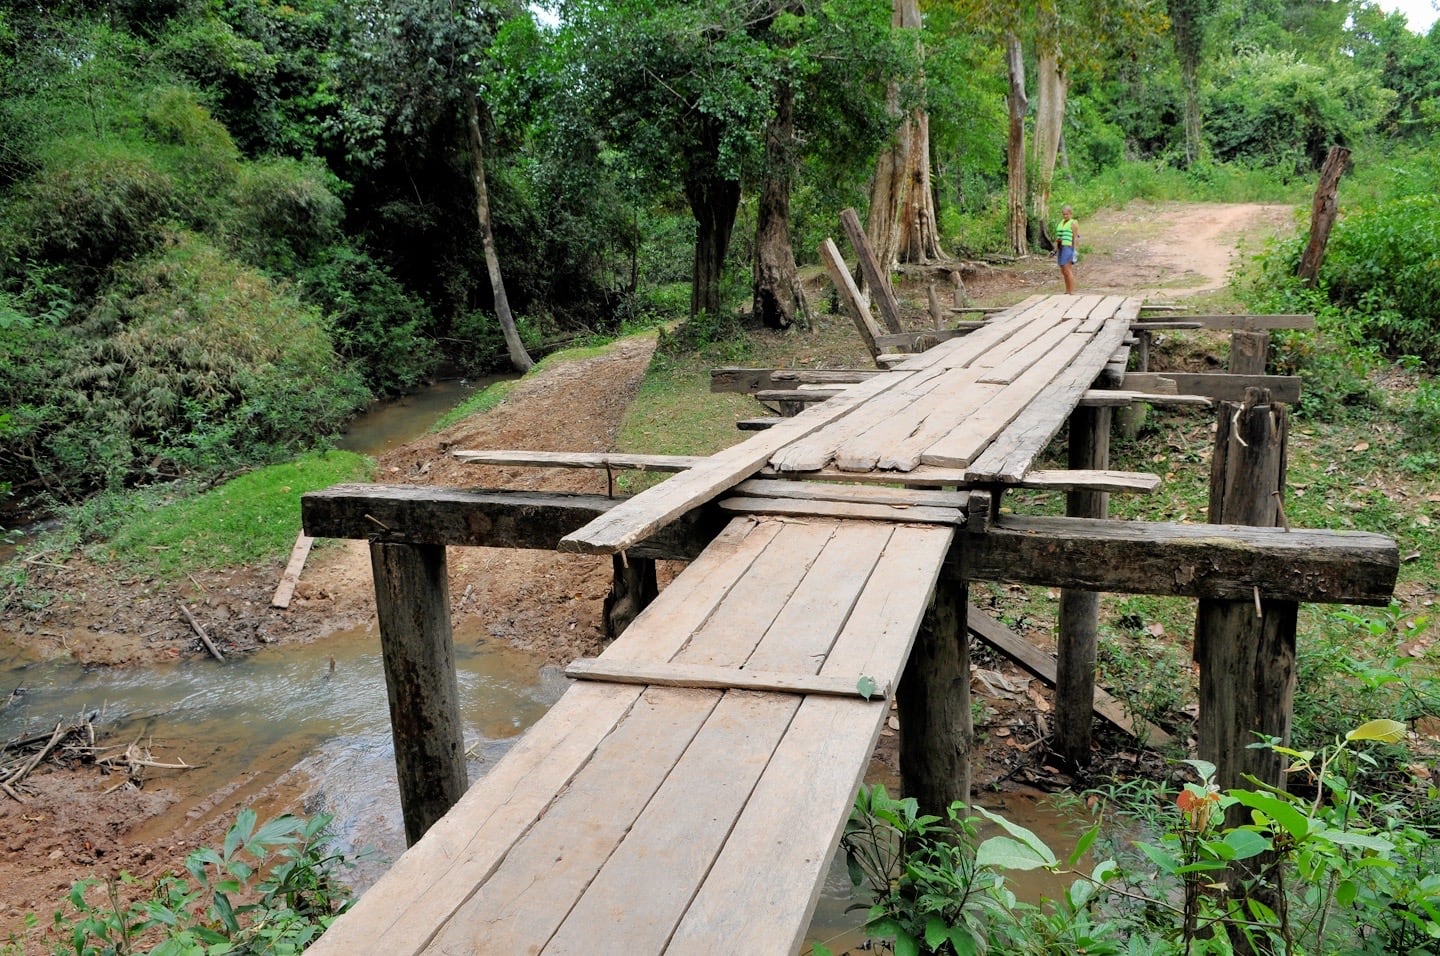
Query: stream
(313,720)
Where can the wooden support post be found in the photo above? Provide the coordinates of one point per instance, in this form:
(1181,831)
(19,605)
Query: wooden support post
(1246,649)
(937,314)
(850,297)
(1322,214)
(959,289)
(634,587)
(1131,418)
(412,598)
(873,271)
(1248,352)
(1089,447)
(937,735)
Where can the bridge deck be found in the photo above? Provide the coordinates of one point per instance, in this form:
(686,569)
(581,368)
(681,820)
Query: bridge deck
(655,819)
(636,819)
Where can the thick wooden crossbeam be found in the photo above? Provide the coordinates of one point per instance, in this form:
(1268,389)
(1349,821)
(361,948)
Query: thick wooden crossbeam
(1211,561)
(1246,323)
(418,514)
(1219,386)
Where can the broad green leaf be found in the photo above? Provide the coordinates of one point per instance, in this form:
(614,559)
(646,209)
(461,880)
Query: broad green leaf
(1036,845)
(1361,840)
(1246,843)
(1382,731)
(1284,814)
(1010,854)
(1346,892)
(867,688)
(1086,840)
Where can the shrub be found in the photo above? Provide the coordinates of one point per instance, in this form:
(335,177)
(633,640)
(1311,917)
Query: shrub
(285,213)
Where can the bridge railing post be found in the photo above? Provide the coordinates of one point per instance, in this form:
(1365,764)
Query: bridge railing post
(412,600)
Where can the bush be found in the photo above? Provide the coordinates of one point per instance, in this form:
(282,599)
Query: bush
(285,214)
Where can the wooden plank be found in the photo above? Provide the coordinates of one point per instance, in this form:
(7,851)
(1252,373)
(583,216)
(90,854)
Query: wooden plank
(637,518)
(1120,397)
(286,588)
(1007,371)
(933,476)
(817,449)
(911,341)
(759,424)
(850,296)
(965,443)
(1041,664)
(807,395)
(521,904)
(958,353)
(1247,323)
(894,423)
(426,514)
(1080,306)
(864,494)
(1222,561)
(1215,385)
(617,461)
(876,277)
(1012,453)
(750,380)
(677,674)
(840,509)
(1164,325)
(817,766)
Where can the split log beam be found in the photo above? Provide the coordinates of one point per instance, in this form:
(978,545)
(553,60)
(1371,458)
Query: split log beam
(751,380)
(1215,385)
(617,461)
(417,514)
(1219,561)
(412,601)
(851,299)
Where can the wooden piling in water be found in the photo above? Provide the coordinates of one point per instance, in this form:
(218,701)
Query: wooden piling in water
(937,733)
(1079,626)
(412,599)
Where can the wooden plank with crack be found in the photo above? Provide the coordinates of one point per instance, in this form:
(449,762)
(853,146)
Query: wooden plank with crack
(618,461)
(934,476)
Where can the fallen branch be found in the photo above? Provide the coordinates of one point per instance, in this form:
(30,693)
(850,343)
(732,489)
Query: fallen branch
(204,638)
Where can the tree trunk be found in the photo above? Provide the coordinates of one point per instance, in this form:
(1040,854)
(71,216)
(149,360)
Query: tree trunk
(1054,85)
(779,300)
(1187,25)
(713,203)
(1015,145)
(518,356)
(902,224)
(1322,214)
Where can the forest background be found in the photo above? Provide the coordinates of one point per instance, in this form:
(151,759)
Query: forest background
(205,202)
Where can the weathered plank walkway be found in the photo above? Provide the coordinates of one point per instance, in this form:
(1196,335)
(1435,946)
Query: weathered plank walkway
(686,794)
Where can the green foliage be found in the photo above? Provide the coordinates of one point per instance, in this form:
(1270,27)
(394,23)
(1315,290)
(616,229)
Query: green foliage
(270,888)
(284,213)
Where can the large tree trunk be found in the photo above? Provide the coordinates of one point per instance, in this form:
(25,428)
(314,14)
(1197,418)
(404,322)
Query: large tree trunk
(779,300)
(902,224)
(516,348)
(1187,25)
(1015,145)
(1053,85)
(1322,214)
(713,202)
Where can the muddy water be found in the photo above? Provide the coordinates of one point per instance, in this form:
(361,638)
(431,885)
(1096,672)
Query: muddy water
(389,424)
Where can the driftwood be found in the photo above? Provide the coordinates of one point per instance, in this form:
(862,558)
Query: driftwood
(20,757)
(204,638)
(134,761)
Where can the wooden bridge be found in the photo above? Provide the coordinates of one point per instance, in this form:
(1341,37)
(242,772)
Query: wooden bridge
(685,795)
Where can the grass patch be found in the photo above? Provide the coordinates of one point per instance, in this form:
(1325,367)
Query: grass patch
(253,518)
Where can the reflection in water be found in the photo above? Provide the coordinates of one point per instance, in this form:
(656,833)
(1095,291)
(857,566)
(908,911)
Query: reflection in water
(393,422)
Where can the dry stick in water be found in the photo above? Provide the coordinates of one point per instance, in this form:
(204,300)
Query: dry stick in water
(204,638)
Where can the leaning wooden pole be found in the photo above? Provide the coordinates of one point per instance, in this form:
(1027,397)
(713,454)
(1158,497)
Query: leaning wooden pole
(1322,213)
(1246,649)
(1089,447)
(412,598)
(937,734)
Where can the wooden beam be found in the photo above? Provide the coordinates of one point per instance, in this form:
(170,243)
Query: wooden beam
(1214,385)
(937,476)
(807,395)
(1119,398)
(915,341)
(850,297)
(420,514)
(751,380)
(1041,664)
(803,508)
(286,588)
(860,494)
(616,461)
(875,274)
(759,424)
(1223,561)
(681,674)
(1163,325)
(1245,323)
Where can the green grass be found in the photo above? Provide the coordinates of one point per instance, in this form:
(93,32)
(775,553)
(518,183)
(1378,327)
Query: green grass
(253,518)
(478,404)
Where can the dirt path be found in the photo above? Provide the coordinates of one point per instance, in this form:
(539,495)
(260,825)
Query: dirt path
(542,601)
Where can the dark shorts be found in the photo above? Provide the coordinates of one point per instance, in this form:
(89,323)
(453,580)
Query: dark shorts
(1066,256)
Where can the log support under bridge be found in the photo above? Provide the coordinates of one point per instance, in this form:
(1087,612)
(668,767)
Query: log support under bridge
(1222,562)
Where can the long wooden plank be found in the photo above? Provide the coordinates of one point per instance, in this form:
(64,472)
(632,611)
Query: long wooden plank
(711,677)
(817,491)
(1011,455)
(750,380)
(1248,323)
(519,907)
(286,588)
(817,766)
(912,341)
(850,295)
(1219,386)
(1016,365)
(875,277)
(840,509)
(1080,306)
(817,449)
(933,476)
(1116,398)
(862,449)
(963,351)
(1041,663)
(618,461)
(637,517)
(959,400)
(966,442)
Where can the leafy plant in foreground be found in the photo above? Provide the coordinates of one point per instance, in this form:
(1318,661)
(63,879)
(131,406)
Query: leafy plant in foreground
(268,889)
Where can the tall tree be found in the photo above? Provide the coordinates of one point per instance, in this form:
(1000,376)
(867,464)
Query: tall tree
(1052,82)
(902,224)
(1188,19)
(1017,104)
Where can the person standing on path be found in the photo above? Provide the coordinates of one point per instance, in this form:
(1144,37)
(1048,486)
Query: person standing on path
(1067,237)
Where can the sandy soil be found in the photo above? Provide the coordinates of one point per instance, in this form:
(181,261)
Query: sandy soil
(549,603)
